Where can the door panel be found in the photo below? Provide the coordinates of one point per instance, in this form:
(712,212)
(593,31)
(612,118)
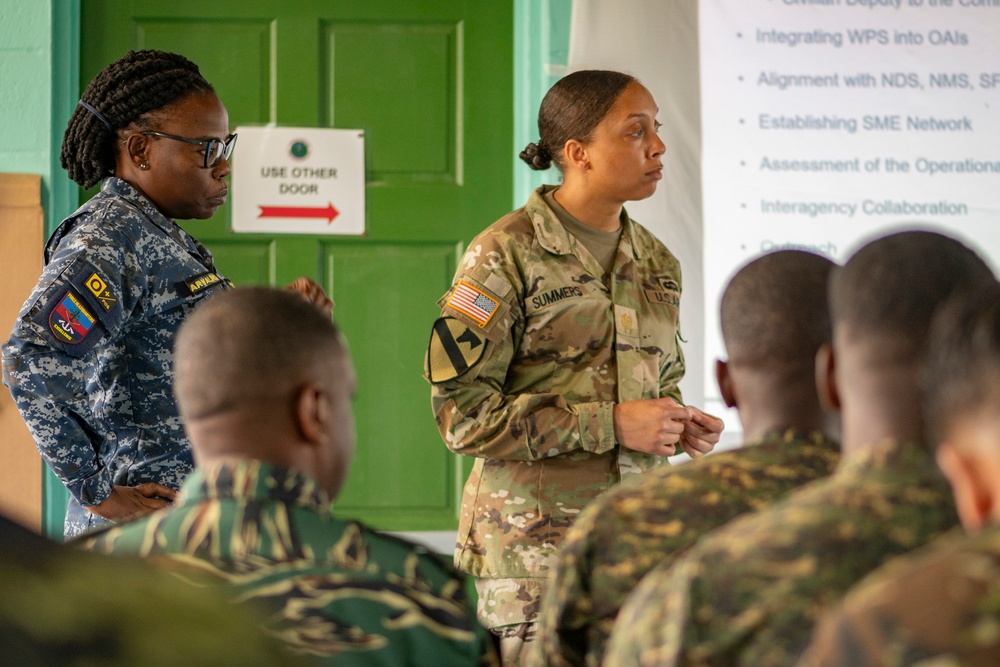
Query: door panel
(203,41)
(430,82)
(401,82)
(247,263)
(392,404)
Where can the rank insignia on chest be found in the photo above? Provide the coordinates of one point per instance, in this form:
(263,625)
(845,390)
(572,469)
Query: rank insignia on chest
(476,304)
(454,349)
(69,320)
(100,289)
(627,321)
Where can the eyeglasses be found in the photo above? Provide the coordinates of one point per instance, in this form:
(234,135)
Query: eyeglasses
(215,149)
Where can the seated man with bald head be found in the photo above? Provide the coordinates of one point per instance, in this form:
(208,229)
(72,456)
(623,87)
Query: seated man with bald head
(264,383)
(774,319)
(940,605)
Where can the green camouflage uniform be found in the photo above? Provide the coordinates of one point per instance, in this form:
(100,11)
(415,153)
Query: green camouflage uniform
(939,607)
(334,589)
(626,532)
(535,346)
(750,592)
(63,607)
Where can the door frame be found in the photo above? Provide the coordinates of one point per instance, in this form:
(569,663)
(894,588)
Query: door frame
(64,193)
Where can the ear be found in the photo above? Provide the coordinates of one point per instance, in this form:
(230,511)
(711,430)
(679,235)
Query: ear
(136,148)
(575,154)
(973,497)
(826,378)
(312,414)
(725,380)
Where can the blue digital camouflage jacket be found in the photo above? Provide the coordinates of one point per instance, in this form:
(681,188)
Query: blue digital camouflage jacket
(89,361)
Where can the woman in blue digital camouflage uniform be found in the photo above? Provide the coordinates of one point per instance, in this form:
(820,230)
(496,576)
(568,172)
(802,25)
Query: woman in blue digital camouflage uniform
(556,360)
(89,360)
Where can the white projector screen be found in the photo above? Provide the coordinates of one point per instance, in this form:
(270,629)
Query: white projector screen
(821,123)
(825,123)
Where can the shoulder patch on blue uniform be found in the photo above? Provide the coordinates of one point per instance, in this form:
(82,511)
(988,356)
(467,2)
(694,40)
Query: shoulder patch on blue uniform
(69,320)
(455,347)
(101,291)
(98,290)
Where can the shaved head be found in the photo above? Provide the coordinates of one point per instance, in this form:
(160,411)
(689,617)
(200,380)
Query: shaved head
(888,291)
(262,374)
(774,312)
(963,369)
(248,347)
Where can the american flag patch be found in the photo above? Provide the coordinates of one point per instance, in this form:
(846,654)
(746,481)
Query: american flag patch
(469,300)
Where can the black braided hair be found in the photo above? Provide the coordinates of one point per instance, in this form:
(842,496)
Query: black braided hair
(127,90)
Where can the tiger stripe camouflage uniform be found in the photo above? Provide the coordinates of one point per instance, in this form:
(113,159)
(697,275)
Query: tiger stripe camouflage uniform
(63,607)
(750,592)
(939,607)
(334,589)
(535,346)
(623,534)
(89,361)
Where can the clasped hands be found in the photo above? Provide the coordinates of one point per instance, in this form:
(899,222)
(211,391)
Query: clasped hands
(657,426)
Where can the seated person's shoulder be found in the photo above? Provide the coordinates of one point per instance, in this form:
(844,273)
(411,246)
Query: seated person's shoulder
(956,576)
(967,567)
(129,537)
(81,599)
(392,551)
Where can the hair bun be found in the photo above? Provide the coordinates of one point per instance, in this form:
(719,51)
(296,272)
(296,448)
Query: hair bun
(536,157)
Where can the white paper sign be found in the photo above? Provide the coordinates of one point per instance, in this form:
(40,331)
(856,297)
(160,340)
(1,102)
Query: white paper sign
(296,180)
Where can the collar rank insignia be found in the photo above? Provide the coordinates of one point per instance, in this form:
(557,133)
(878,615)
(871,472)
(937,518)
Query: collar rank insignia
(100,289)
(70,321)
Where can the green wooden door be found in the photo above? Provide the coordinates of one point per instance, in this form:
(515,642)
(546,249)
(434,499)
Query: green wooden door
(430,82)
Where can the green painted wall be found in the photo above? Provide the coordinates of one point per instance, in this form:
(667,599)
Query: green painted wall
(25,63)
(39,65)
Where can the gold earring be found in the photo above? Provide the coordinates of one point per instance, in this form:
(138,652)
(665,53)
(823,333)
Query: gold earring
(144,166)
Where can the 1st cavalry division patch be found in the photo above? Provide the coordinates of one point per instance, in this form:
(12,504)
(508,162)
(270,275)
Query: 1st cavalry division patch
(453,350)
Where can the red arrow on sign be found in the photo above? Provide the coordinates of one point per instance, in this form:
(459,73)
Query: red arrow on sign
(299,212)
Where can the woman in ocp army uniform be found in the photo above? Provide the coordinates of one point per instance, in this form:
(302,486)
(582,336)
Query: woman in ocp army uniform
(555,361)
